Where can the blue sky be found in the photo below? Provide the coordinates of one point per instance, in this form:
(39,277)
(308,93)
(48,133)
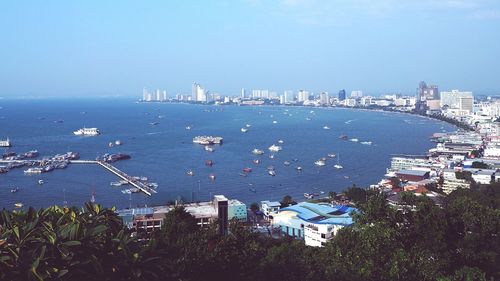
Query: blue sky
(80,48)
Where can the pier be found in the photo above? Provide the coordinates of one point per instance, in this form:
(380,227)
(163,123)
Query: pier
(135,182)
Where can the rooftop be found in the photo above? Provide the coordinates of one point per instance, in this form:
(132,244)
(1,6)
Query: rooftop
(322,213)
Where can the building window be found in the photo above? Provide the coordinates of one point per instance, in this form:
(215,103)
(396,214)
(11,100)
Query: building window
(323,235)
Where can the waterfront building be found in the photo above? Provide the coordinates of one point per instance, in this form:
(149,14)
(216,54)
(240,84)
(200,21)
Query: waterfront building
(407,163)
(452,99)
(342,95)
(268,207)
(465,103)
(198,93)
(350,102)
(243,93)
(356,94)
(412,175)
(288,96)
(303,96)
(314,223)
(324,99)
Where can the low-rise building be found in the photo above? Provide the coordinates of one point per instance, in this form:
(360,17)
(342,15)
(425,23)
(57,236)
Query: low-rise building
(268,207)
(412,175)
(315,223)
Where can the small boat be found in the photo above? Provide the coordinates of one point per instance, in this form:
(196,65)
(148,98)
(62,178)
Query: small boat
(212,177)
(308,119)
(320,163)
(280,141)
(209,148)
(275,148)
(18,205)
(154,123)
(346,177)
(244,130)
(308,196)
(270,168)
(115,183)
(272,172)
(127,191)
(118,142)
(14,190)
(286,163)
(189,127)
(190,173)
(366,142)
(275,122)
(247,170)
(326,128)
(209,163)
(248,125)
(298,168)
(110,144)
(243,174)
(343,137)
(271,156)
(257,151)
(256,161)
(331,155)
(252,190)
(40,182)
(354,140)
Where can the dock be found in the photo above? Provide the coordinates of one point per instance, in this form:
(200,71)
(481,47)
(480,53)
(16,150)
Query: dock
(142,186)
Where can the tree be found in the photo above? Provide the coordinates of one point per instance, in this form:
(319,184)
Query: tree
(254,207)
(287,201)
(479,165)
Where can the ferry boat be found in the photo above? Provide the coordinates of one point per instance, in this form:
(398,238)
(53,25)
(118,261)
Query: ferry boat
(87,132)
(275,148)
(320,162)
(244,130)
(207,140)
(257,151)
(5,143)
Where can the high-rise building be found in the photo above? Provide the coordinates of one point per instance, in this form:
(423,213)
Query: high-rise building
(466,103)
(427,92)
(342,95)
(323,98)
(452,99)
(303,96)
(243,93)
(356,94)
(198,93)
(288,96)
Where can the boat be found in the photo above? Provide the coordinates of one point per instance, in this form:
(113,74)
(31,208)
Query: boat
(243,174)
(36,170)
(244,130)
(326,128)
(190,173)
(207,140)
(270,168)
(115,183)
(256,161)
(308,119)
(257,151)
(18,205)
(272,172)
(275,122)
(189,127)
(5,143)
(271,156)
(286,163)
(308,196)
(209,148)
(154,123)
(212,177)
(354,140)
(343,137)
(248,125)
(280,141)
(275,148)
(87,132)
(209,163)
(366,142)
(331,155)
(338,166)
(252,189)
(118,142)
(298,168)
(110,144)
(31,154)
(320,162)
(40,182)
(3,170)
(127,191)
(14,189)
(247,170)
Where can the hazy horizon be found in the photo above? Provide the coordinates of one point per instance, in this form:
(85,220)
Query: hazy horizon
(95,48)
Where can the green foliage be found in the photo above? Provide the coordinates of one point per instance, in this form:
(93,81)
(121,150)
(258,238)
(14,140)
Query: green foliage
(254,207)
(479,165)
(419,242)
(287,201)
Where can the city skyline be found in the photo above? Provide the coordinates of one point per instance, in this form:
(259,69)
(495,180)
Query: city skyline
(103,49)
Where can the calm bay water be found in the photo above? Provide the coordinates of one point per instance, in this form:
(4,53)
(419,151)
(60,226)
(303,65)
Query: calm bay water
(164,152)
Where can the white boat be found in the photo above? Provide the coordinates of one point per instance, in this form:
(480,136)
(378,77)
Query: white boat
(248,125)
(275,148)
(18,205)
(320,163)
(308,196)
(189,127)
(118,142)
(127,191)
(366,142)
(271,156)
(271,173)
(190,173)
(280,141)
(326,128)
(40,182)
(286,163)
(338,166)
(331,155)
(275,122)
(298,168)
(257,151)
(5,143)
(244,130)
(36,170)
(209,148)
(354,140)
(115,183)
(87,132)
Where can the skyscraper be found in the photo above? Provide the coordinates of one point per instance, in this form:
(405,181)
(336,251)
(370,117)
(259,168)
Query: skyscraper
(342,95)
(452,99)
(323,98)
(198,93)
